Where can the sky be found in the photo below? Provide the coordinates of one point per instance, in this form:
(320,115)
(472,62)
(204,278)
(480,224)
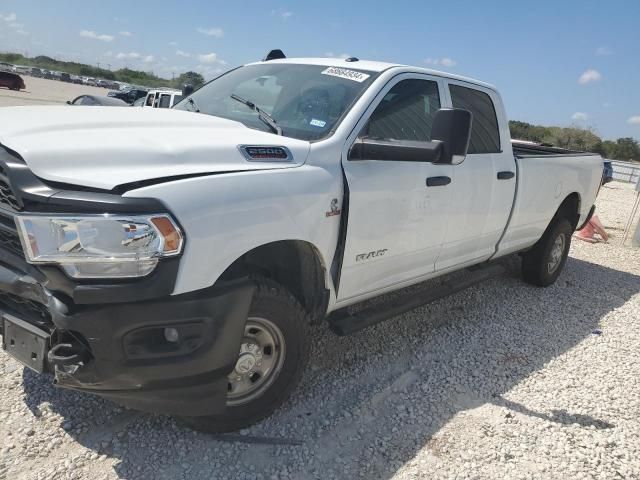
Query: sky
(555,62)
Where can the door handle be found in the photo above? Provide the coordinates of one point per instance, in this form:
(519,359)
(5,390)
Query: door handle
(505,175)
(438,181)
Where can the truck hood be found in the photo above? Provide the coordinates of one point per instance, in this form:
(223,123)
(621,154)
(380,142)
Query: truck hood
(103,147)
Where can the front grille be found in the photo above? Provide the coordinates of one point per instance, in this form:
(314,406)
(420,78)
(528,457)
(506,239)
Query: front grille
(7,198)
(25,309)
(10,242)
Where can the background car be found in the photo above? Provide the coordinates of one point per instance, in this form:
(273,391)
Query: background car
(12,81)
(607,172)
(97,101)
(129,96)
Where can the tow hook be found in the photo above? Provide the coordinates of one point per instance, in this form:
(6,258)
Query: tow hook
(68,357)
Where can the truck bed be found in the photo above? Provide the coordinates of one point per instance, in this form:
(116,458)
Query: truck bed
(524,150)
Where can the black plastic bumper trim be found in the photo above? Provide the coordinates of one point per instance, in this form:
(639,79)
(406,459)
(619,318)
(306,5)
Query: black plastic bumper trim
(192,384)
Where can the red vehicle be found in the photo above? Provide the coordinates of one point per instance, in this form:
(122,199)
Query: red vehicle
(11,81)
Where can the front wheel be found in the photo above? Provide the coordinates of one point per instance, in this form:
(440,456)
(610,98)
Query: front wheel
(543,263)
(273,354)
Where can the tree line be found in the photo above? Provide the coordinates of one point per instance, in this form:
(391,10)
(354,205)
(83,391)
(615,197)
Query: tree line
(127,75)
(574,138)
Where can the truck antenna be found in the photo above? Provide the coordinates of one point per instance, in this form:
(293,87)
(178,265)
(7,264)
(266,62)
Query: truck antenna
(274,55)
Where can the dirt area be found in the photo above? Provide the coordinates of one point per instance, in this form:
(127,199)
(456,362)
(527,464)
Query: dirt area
(503,380)
(40,91)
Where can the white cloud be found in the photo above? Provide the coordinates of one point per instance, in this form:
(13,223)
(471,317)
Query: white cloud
(208,72)
(128,56)
(180,53)
(580,116)
(148,59)
(606,104)
(9,17)
(96,36)
(173,44)
(124,33)
(331,55)
(589,76)
(441,62)
(635,120)
(211,32)
(603,51)
(282,13)
(210,58)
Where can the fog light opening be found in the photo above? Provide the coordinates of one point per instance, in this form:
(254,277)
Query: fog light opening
(171,335)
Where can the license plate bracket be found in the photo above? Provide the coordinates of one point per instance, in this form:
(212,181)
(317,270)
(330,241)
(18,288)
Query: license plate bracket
(25,342)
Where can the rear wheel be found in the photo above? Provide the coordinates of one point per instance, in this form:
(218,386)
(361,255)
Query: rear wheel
(16,86)
(544,262)
(273,354)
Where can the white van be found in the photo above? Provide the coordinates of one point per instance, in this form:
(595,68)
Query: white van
(162,98)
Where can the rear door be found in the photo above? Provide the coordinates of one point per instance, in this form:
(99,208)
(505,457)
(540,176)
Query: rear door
(396,223)
(483,184)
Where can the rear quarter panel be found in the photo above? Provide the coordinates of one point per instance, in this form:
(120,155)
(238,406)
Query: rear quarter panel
(542,185)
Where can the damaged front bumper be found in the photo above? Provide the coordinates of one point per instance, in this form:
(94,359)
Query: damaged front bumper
(168,355)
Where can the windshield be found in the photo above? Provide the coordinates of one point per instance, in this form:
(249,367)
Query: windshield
(306,101)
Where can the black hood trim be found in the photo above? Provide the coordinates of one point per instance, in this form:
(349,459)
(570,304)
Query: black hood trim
(36,195)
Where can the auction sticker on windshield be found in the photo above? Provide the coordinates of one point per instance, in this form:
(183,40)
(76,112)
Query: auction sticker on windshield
(346,73)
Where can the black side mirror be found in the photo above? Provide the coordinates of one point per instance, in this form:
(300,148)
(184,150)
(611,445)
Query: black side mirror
(450,136)
(452,127)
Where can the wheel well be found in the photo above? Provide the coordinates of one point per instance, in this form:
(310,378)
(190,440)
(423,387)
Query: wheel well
(570,209)
(294,264)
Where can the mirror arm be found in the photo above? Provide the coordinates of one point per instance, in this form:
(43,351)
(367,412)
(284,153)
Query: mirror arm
(399,151)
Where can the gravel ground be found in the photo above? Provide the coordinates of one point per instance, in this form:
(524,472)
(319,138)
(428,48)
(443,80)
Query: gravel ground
(503,380)
(40,91)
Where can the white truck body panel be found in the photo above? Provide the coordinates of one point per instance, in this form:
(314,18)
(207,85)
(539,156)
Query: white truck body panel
(541,192)
(111,146)
(234,205)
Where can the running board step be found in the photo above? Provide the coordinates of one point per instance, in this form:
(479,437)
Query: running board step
(342,323)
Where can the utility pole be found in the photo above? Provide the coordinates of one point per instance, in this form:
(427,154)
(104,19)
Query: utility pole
(109,66)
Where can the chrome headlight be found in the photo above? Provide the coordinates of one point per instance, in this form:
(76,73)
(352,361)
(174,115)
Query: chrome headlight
(100,246)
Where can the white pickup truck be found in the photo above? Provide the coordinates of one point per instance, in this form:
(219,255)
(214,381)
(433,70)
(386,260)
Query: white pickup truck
(173,260)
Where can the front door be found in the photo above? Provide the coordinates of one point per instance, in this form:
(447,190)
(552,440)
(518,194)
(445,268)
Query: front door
(396,223)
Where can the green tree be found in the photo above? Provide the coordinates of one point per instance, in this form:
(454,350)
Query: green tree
(627,148)
(191,78)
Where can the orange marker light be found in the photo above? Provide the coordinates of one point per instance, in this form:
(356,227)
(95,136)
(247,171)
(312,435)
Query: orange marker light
(172,236)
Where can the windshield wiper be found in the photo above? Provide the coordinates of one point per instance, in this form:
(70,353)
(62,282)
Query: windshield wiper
(193,103)
(262,115)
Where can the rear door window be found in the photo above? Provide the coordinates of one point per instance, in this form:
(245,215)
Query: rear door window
(485,136)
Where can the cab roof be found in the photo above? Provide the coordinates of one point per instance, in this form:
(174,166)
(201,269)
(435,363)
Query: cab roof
(373,66)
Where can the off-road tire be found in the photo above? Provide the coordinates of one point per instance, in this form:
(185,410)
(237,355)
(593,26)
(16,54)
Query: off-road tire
(275,303)
(535,262)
